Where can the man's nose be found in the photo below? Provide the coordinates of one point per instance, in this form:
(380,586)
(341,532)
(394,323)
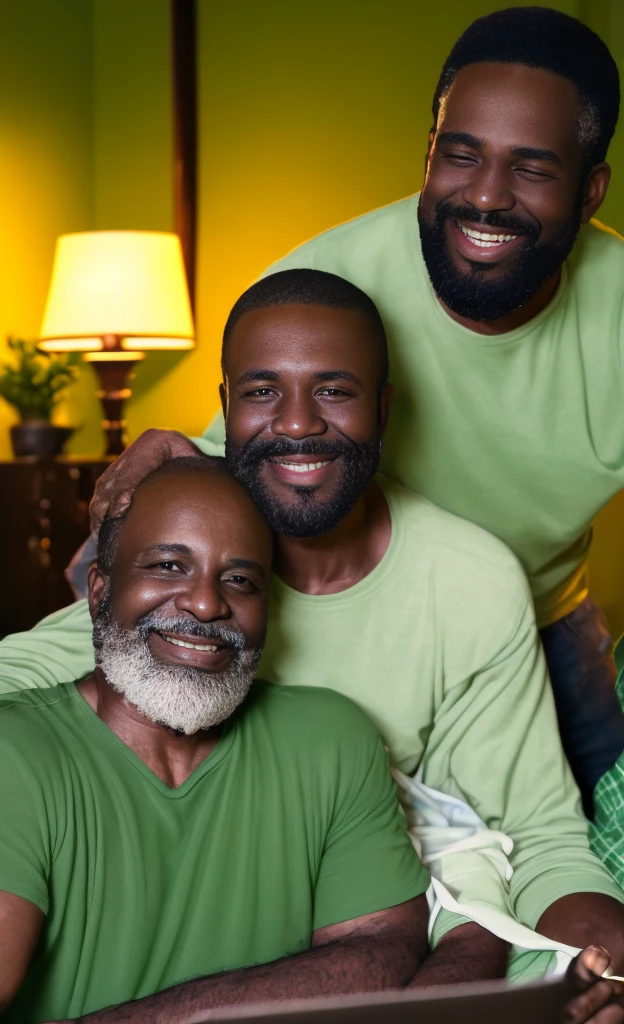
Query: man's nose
(202,598)
(298,417)
(489,188)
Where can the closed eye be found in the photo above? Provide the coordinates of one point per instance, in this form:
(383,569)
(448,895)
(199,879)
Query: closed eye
(531,173)
(460,158)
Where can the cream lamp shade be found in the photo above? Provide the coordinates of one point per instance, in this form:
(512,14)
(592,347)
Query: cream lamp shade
(115,295)
(126,285)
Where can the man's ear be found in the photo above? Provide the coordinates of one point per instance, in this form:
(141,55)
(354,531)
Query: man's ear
(385,401)
(223,397)
(595,190)
(96,581)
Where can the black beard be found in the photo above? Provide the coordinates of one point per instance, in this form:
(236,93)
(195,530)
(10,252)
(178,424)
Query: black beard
(305,515)
(473,294)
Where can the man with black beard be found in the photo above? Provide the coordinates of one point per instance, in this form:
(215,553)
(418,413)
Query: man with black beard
(502,300)
(159,822)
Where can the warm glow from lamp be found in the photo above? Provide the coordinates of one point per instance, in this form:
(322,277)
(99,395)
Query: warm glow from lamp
(114,295)
(130,284)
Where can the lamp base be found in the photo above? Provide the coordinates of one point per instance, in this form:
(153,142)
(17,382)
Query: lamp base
(113,375)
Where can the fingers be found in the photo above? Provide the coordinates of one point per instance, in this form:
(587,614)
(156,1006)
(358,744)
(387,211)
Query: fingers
(119,503)
(596,1000)
(114,489)
(591,963)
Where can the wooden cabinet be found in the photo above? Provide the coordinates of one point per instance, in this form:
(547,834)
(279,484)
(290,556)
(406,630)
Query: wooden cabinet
(44,518)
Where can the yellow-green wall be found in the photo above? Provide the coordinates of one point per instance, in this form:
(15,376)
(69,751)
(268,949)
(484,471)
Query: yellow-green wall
(309,114)
(45,160)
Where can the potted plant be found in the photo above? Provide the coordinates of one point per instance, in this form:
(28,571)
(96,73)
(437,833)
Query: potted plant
(33,386)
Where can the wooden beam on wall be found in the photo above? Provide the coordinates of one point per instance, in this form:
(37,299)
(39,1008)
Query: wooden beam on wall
(184,58)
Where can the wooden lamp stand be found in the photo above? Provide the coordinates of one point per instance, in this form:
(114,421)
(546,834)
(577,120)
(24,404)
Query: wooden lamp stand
(114,368)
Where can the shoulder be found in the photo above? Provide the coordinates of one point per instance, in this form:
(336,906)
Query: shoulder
(31,713)
(374,230)
(464,558)
(307,713)
(450,533)
(34,743)
(597,255)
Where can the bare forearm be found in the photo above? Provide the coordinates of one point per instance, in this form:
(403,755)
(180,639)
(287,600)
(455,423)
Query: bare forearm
(467,953)
(585,919)
(357,965)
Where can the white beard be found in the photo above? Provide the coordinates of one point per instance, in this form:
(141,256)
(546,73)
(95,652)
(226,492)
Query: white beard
(184,699)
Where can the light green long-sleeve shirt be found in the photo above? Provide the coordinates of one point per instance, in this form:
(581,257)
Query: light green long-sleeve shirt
(521,433)
(438,645)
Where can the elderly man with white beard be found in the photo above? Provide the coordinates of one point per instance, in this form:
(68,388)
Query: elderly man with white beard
(162,819)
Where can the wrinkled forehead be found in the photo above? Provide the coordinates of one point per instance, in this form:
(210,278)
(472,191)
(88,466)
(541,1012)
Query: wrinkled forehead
(199,511)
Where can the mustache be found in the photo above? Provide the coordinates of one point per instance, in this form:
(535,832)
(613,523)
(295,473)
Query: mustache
(268,448)
(154,623)
(510,223)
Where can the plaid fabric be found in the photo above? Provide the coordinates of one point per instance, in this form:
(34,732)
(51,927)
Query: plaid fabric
(606,831)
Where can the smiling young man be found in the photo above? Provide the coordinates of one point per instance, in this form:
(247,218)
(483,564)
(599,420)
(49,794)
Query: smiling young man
(160,822)
(423,619)
(503,302)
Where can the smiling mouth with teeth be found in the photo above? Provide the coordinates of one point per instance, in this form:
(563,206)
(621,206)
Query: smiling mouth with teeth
(484,239)
(301,467)
(193,647)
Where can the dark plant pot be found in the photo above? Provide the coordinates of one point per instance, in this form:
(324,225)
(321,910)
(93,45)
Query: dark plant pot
(39,438)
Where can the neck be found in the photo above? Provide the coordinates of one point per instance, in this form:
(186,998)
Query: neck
(171,756)
(340,559)
(518,318)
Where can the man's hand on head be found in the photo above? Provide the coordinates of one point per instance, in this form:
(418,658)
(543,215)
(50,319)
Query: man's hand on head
(594,999)
(114,488)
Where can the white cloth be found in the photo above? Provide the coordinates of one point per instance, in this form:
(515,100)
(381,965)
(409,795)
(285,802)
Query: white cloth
(454,843)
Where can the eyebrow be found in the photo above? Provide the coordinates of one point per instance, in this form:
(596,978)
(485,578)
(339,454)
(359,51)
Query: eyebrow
(252,375)
(246,563)
(336,375)
(527,152)
(255,375)
(180,549)
(461,139)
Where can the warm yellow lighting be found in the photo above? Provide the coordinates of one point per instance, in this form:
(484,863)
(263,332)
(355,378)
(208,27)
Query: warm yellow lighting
(113,357)
(125,284)
(71,345)
(152,344)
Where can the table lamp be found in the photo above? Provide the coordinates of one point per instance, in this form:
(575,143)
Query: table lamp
(115,295)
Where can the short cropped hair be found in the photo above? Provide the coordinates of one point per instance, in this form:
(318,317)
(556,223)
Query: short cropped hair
(540,37)
(306,287)
(108,537)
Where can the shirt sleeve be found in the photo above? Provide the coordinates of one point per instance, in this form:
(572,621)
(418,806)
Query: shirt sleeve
(25,853)
(57,650)
(368,861)
(495,744)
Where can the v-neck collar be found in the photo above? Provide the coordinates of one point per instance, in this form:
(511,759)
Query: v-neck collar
(209,764)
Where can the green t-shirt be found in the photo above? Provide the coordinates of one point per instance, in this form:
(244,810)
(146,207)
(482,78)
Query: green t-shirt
(291,824)
(438,645)
(521,433)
